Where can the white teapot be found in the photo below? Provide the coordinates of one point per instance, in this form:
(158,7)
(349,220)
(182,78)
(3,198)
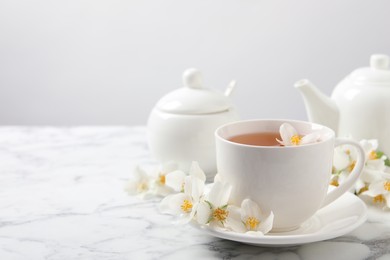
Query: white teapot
(182,124)
(359,106)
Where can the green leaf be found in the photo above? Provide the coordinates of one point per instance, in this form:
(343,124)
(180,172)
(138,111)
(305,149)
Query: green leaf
(387,162)
(380,154)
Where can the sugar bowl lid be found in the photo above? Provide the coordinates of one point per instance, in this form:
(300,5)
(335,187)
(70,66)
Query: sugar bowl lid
(194,98)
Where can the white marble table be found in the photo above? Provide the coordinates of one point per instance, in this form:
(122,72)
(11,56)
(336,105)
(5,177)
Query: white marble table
(61,197)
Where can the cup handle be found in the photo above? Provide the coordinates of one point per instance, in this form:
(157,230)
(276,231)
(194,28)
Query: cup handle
(353,176)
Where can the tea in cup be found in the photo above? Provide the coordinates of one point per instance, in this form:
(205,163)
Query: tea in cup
(291,181)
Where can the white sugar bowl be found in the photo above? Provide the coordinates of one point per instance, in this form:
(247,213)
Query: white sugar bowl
(182,124)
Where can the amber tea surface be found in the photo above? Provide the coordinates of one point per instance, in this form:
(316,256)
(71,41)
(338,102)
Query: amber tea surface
(258,139)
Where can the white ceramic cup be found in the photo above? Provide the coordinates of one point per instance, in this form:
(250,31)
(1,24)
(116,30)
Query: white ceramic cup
(292,181)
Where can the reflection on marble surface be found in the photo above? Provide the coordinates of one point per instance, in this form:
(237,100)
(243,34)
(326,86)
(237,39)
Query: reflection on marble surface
(61,197)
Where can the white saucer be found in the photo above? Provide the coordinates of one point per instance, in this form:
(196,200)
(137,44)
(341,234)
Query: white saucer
(337,219)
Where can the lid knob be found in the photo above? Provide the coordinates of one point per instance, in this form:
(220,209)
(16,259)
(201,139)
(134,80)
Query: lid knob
(379,61)
(192,78)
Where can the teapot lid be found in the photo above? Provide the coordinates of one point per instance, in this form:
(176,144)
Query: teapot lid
(194,98)
(377,74)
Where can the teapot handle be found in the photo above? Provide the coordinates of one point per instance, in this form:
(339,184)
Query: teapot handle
(230,88)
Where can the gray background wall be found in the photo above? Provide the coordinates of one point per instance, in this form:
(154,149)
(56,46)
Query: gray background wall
(108,62)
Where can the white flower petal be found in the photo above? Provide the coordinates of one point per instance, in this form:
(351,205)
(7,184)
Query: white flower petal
(266,223)
(197,188)
(233,221)
(377,164)
(218,225)
(286,132)
(375,189)
(188,185)
(387,197)
(351,151)
(172,204)
(340,159)
(139,182)
(310,138)
(165,205)
(225,196)
(203,213)
(280,142)
(369,145)
(175,180)
(219,194)
(370,176)
(359,184)
(250,209)
(186,218)
(197,172)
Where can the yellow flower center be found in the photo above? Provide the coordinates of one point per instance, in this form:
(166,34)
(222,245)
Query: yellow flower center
(334,183)
(386,185)
(252,223)
(186,206)
(348,151)
(220,214)
(351,166)
(379,199)
(161,179)
(373,155)
(295,139)
(142,186)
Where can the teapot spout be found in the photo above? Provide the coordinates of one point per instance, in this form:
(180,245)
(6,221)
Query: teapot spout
(319,108)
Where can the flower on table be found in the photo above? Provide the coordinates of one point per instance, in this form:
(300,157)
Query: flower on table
(291,137)
(162,181)
(375,164)
(374,170)
(139,184)
(249,218)
(185,203)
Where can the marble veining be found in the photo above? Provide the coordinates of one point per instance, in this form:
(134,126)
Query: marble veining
(62,197)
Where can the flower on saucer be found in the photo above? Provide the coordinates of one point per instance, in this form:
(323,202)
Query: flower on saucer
(249,218)
(213,209)
(185,203)
(380,192)
(291,137)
